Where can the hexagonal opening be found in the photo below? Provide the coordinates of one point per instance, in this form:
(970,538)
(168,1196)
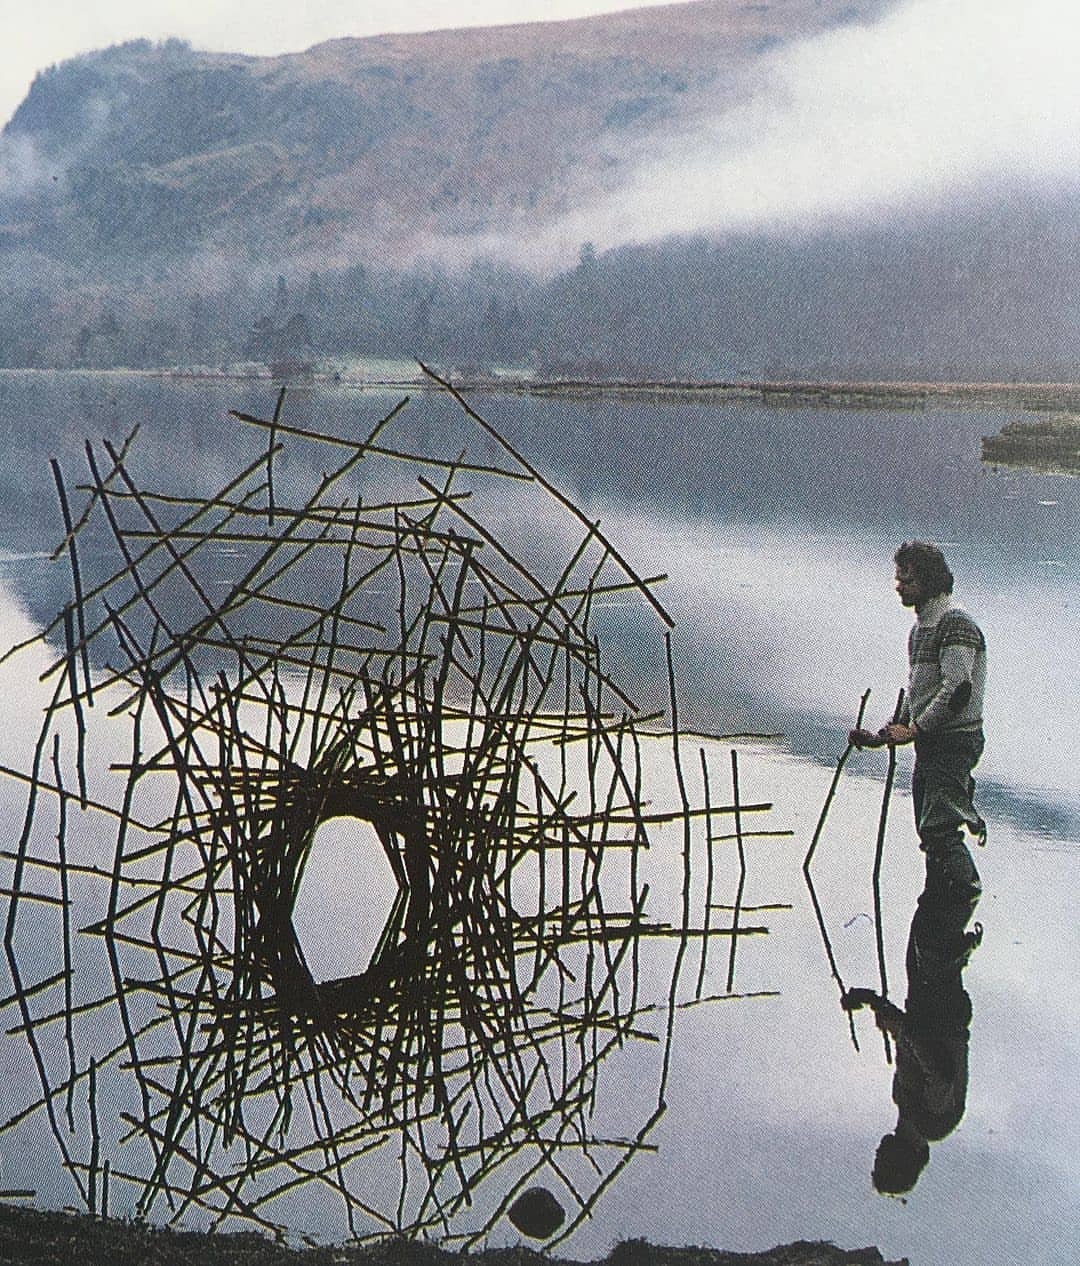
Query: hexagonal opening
(346,894)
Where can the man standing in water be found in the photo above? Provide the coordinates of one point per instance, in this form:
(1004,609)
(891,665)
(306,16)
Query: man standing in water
(942,715)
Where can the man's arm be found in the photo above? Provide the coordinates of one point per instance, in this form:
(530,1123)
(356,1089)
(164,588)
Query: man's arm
(957,665)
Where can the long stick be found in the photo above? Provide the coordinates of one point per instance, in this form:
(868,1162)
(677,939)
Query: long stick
(270,456)
(76,580)
(742,868)
(890,773)
(550,488)
(833,785)
(818,913)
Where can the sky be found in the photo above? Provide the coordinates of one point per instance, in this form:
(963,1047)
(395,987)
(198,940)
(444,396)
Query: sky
(36,35)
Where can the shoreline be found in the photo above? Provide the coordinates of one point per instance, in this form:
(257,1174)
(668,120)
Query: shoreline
(841,393)
(795,392)
(81,1239)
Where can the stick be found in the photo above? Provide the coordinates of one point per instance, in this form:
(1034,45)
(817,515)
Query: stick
(809,857)
(550,488)
(890,773)
(742,868)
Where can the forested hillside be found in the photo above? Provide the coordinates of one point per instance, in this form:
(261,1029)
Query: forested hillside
(165,206)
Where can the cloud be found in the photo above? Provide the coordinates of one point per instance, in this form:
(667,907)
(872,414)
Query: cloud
(938,97)
(23,170)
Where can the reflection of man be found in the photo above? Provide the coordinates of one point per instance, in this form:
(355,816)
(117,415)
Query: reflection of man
(931,1034)
(942,715)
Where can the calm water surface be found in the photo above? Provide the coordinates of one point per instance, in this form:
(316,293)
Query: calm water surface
(776,529)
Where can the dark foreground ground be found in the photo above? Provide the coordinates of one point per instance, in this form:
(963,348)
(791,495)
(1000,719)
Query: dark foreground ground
(63,1239)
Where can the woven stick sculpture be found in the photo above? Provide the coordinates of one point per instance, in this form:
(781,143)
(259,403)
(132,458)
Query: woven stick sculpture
(235,671)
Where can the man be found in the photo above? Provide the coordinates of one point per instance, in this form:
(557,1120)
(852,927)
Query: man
(942,715)
(931,1034)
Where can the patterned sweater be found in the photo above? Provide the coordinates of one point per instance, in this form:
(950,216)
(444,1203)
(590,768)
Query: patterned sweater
(947,669)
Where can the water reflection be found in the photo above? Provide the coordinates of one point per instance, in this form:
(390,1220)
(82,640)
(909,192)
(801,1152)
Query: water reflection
(235,671)
(770,522)
(932,1032)
(780,557)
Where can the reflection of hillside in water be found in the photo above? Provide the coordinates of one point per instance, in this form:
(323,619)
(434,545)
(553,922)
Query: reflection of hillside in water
(397,665)
(749,508)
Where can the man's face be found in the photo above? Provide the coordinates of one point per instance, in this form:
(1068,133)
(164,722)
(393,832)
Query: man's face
(909,587)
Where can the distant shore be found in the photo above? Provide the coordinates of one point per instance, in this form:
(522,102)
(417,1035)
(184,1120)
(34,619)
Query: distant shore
(843,393)
(1047,443)
(840,393)
(821,394)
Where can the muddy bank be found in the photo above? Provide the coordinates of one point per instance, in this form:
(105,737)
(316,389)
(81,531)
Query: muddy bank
(1038,396)
(66,1239)
(1050,445)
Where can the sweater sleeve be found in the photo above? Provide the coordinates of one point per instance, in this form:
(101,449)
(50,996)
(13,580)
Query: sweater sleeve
(959,646)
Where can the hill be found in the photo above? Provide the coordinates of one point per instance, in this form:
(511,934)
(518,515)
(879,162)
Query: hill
(361,148)
(161,206)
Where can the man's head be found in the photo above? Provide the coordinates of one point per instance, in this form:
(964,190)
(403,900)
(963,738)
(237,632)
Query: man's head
(921,573)
(898,1163)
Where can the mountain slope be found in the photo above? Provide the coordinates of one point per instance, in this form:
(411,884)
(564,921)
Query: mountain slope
(364,147)
(163,205)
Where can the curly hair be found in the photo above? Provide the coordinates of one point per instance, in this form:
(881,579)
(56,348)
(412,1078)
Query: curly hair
(928,564)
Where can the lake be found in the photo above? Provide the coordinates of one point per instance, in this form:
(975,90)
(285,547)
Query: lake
(775,527)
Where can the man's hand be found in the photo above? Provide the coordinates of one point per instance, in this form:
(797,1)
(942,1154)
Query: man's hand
(866,738)
(887,1015)
(853,999)
(896,734)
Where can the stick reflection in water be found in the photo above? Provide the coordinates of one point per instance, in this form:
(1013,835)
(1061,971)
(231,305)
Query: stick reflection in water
(403,664)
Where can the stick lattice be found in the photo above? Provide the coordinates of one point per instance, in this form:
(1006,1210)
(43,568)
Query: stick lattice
(235,671)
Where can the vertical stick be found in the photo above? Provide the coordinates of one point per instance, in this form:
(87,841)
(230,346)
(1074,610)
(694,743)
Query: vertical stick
(76,703)
(890,773)
(686,821)
(270,457)
(61,845)
(742,868)
(709,875)
(95,1138)
(76,578)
